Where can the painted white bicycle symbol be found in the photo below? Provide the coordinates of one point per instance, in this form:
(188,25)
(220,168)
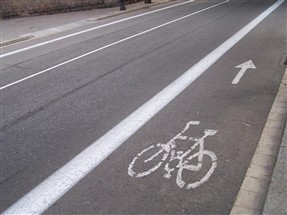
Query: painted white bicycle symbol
(184,159)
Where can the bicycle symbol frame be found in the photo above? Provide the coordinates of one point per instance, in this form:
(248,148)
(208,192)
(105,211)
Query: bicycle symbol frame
(168,150)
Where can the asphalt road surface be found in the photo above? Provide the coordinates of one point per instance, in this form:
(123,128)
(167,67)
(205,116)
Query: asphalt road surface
(171,105)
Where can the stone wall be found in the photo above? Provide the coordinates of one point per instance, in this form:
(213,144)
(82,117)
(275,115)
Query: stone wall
(21,8)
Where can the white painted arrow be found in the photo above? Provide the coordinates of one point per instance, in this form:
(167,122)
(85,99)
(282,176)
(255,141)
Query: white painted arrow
(247,65)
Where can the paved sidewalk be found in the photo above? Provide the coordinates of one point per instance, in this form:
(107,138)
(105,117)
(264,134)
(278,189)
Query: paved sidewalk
(277,195)
(20,29)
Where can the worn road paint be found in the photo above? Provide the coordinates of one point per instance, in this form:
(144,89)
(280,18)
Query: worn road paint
(169,150)
(90,29)
(54,187)
(110,45)
(247,65)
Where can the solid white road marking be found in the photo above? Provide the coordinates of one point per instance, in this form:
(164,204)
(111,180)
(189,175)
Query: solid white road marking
(90,29)
(54,187)
(107,46)
(247,65)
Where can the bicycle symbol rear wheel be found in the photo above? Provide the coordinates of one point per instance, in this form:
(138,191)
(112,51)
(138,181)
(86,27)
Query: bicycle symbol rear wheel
(147,161)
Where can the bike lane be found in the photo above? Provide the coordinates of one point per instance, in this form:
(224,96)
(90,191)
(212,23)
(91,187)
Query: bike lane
(236,111)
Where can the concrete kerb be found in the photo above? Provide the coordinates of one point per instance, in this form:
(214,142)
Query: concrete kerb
(17,40)
(254,189)
(277,193)
(78,24)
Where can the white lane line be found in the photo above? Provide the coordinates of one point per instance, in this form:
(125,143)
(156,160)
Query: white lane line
(112,44)
(54,187)
(90,29)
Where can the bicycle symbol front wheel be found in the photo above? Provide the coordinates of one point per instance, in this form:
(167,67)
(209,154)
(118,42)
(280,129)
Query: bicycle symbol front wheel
(196,168)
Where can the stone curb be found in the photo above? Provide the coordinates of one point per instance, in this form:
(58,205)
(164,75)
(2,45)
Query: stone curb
(254,189)
(275,203)
(17,40)
(64,28)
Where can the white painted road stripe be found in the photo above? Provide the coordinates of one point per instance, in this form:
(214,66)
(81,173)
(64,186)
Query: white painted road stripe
(54,187)
(107,46)
(90,29)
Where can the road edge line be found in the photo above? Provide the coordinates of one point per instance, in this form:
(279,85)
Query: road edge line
(254,188)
